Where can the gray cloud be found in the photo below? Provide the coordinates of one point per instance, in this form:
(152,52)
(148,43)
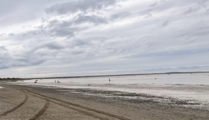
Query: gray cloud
(121,15)
(65,28)
(2,48)
(20,11)
(89,36)
(81,5)
(91,19)
(50,46)
(185,7)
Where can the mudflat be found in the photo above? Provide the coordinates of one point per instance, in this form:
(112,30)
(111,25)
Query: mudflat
(50,103)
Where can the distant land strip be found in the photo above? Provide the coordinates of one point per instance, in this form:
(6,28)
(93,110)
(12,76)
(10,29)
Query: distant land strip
(115,75)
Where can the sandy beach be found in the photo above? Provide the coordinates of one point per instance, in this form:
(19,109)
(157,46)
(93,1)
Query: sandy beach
(25,100)
(104,60)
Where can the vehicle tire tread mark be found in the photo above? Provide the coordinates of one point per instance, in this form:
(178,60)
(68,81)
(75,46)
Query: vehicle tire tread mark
(79,106)
(16,107)
(41,112)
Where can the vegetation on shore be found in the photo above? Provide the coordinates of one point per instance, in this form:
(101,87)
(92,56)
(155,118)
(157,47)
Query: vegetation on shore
(10,79)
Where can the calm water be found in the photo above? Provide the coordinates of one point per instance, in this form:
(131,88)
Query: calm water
(202,78)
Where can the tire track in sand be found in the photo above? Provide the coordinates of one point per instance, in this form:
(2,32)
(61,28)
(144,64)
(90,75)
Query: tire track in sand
(23,102)
(77,107)
(16,107)
(66,106)
(41,112)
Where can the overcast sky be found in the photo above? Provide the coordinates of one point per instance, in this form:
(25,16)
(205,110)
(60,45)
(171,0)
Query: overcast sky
(41,38)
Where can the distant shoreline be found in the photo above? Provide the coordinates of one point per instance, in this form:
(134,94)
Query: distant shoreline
(115,75)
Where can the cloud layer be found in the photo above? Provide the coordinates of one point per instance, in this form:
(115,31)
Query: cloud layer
(80,37)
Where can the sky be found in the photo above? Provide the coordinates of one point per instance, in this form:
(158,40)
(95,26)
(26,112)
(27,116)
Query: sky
(43,38)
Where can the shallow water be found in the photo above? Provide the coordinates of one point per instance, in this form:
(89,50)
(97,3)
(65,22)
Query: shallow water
(182,86)
(198,78)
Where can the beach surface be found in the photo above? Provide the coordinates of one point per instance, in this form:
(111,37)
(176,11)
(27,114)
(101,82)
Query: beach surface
(138,97)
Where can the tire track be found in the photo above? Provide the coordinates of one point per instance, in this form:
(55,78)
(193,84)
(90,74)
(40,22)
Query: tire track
(3,99)
(41,112)
(78,107)
(24,101)
(16,107)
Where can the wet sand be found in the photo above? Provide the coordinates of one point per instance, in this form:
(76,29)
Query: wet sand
(47,103)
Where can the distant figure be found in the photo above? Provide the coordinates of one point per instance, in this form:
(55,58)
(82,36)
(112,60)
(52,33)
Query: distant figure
(36,81)
(155,78)
(58,81)
(55,81)
(109,80)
